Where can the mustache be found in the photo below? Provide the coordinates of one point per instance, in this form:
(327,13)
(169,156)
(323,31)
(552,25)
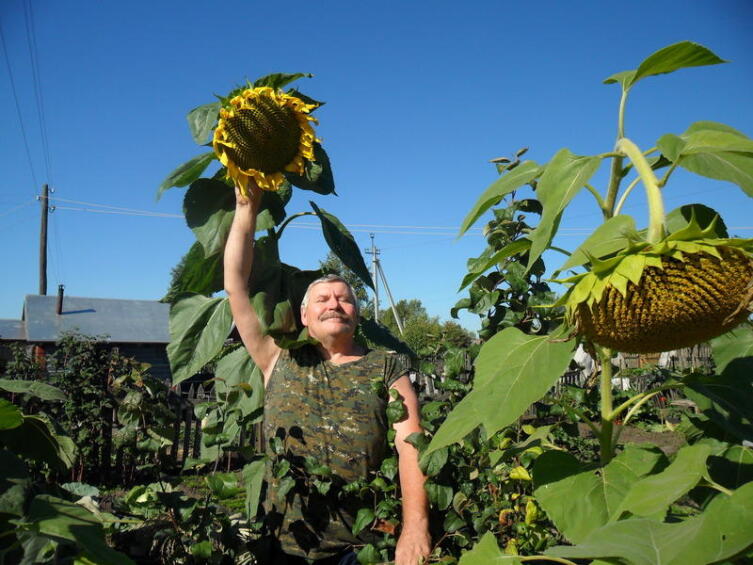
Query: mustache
(328,315)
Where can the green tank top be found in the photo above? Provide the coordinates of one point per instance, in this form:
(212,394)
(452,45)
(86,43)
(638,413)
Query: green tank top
(334,415)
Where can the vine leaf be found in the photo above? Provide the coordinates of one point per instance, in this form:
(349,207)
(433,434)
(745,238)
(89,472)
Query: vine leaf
(519,176)
(478,268)
(564,177)
(487,551)
(342,244)
(513,370)
(186,173)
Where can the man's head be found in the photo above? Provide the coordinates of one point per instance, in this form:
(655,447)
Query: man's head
(329,307)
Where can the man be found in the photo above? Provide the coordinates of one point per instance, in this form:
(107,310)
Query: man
(320,403)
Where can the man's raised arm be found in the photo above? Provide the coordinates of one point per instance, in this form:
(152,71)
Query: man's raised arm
(238,260)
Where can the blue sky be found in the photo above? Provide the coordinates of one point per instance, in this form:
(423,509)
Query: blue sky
(420,95)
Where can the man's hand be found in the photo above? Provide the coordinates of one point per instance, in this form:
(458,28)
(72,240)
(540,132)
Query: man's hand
(413,547)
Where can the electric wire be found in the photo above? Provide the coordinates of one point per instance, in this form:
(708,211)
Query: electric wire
(18,110)
(31,42)
(23,205)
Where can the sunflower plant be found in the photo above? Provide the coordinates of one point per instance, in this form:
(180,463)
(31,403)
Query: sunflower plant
(259,133)
(679,281)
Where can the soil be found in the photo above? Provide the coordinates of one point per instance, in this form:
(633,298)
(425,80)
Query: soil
(668,442)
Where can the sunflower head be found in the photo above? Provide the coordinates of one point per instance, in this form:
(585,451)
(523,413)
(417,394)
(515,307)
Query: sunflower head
(262,133)
(661,297)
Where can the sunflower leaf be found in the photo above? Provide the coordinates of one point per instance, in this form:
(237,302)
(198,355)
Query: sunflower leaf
(680,218)
(317,175)
(209,206)
(517,177)
(279,80)
(564,177)
(196,274)
(201,120)
(186,173)
(342,244)
(608,238)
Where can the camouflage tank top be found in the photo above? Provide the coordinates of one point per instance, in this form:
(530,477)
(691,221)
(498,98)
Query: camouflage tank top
(332,415)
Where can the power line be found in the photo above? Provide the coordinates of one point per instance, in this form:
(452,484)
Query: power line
(31,43)
(18,109)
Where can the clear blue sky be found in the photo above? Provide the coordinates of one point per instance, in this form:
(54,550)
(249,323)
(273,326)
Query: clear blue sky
(420,95)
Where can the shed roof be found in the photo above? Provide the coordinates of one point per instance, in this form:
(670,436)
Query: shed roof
(12,330)
(123,321)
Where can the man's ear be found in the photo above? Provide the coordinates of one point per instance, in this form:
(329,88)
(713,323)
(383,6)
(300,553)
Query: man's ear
(304,321)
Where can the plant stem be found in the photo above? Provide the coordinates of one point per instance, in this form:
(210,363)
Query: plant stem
(624,196)
(284,224)
(665,178)
(653,194)
(605,386)
(640,397)
(545,558)
(560,250)
(599,199)
(615,173)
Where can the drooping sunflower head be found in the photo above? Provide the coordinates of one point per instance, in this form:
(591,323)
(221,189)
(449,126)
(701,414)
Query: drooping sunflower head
(673,295)
(262,133)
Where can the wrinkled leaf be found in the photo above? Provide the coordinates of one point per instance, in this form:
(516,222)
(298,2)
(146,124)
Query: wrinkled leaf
(10,415)
(186,173)
(519,176)
(36,439)
(317,175)
(343,245)
(564,177)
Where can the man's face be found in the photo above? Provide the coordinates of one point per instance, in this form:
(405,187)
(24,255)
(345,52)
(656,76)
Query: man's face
(330,311)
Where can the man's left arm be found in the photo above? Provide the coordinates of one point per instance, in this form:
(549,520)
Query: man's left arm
(415,541)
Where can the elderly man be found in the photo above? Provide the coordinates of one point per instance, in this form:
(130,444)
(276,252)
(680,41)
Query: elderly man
(320,401)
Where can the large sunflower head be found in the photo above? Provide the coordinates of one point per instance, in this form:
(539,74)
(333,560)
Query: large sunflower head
(262,133)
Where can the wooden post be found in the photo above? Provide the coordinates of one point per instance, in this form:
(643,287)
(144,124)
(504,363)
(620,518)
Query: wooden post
(44,200)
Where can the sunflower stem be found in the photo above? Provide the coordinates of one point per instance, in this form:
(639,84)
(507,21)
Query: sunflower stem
(653,193)
(625,194)
(284,224)
(615,173)
(605,389)
(599,199)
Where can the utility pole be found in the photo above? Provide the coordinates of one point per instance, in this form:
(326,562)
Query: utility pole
(44,200)
(389,296)
(374,252)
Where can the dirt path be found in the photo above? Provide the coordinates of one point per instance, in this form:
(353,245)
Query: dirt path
(668,442)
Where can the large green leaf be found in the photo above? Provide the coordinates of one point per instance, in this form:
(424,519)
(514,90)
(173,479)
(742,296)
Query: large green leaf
(36,439)
(343,245)
(487,552)
(209,207)
(736,345)
(380,335)
(186,173)
(198,329)
(652,495)
(733,468)
(510,181)
(726,399)
(10,415)
(272,208)
(671,58)
(712,150)
(558,475)
(608,238)
(317,174)
(201,120)
(565,175)
(720,532)
(513,370)
(479,267)
(36,389)
(240,379)
(61,519)
(197,274)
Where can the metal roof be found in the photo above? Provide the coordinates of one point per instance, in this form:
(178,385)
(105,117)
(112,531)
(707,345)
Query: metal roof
(121,321)
(12,330)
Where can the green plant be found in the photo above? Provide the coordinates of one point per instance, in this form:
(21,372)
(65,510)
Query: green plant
(636,494)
